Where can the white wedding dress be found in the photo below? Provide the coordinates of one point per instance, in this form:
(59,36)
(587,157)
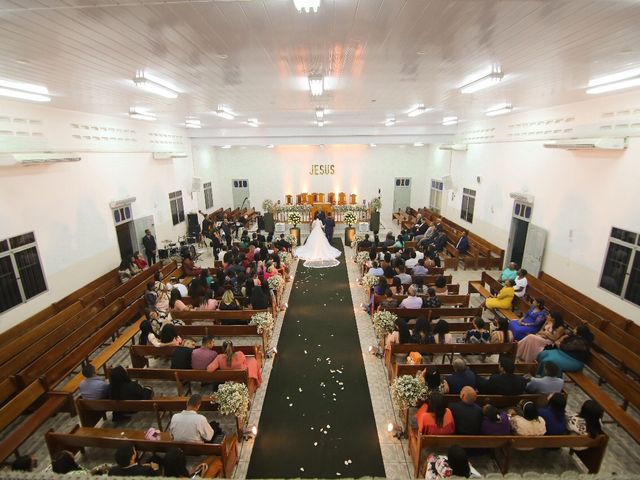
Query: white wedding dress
(317,251)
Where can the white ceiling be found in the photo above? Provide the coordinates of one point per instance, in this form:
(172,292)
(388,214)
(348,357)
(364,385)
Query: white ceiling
(381,56)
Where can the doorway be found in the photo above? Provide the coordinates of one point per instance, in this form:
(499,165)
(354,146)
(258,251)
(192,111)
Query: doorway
(520,219)
(124,234)
(401,194)
(240,193)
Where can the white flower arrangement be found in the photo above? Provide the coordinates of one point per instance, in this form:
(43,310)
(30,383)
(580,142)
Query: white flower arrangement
(233,398)
(375,204)
(362,258)
(369,280)
(285,257)
(291,239)
(268,205)
(275,282)
(295,218)
(356,240)
(349,208)
(264,321)
(406,390)
(384,323)
(349,218)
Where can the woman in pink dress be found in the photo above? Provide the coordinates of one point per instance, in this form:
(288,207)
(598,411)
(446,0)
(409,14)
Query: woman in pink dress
(531,345)
(232,360)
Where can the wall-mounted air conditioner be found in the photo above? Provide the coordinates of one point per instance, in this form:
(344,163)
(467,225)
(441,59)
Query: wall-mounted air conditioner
(589,144)
(123,202)
(456,147)
(30,159)
(168,155)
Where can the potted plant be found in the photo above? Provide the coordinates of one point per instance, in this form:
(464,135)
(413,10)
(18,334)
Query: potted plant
(349,232)
(295,218)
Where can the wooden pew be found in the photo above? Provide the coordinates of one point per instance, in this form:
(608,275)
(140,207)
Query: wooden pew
(215,316)
(591,457)
(442,312)
(477,368)
(79,438)
(139,353)
(222,331)
(477,286)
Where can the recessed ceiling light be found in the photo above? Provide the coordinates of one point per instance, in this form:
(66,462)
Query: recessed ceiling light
(142,114)
(499,109)
(417,110)
(24,91)
(154,85)
(307,6)
(485,79)
(615,81)
(225,112)
(446,121)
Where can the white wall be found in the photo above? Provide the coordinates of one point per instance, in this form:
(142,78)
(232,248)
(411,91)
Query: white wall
(274,173)
(579,196)
(67,204)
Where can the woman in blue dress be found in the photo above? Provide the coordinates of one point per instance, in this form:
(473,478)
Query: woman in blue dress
(531,322)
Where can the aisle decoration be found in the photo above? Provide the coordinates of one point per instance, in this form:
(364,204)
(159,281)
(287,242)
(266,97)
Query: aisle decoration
(233,398)
(286,258)
(406,390)
(362,258)
(264,322)
(384,323)
(369,281)
(275,282)
(295,218)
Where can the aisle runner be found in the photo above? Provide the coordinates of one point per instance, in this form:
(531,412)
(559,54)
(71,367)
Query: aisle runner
(317,420)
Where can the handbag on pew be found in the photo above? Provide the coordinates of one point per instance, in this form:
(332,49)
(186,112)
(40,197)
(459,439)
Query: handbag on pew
(152,434)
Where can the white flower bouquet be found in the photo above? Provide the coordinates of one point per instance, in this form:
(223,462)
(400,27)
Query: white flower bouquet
(375,204)
(369,281)
(275,282)
(406,390)
(268,205)
(349,218)
(362,258)
(286,258)
(384,322)
(291,239)
(295,218)
(233,398)
(264,321)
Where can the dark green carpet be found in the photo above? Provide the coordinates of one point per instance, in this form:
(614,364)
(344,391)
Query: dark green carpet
(317,412)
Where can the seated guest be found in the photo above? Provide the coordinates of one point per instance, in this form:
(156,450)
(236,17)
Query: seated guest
(396,286)
(258,300)
(434,418)
(520,287)
(412,261)
(503,300)
(554,414)
(572,352)
(65,462)
(189,268)
(587,422)
(506,382)
(531,345)
(479,333)
(176,285)
(121,387)
(401,334)
(405,278)
(124,271)
(282,244)
(389,301)
(434,382)
(201,357)
(419,286)
(181,356)
(399,243)
(189,425)
(431,300)
(461,377)
(531,322)
(93,387)
(441,285)
(229,301)
(550,383)
(150,296)
(128,466)
(148,335)
(509,273)
(169,335)
(208,303)
(366,242)
(389,239)
(422,332)
(140,262)
(133,267)
(494,421)
(502,334)
(454,464)
(463,244)
(441,332)
(232,360)
(174,464)
(411,301)
(529,423)
(467,414)
(24,463)
(419,269)
(376,269)
(440,241)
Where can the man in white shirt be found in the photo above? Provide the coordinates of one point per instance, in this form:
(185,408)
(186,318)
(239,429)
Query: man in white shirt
(405,278)
(413,261)
(189,425)
(411,301)
(419,269)
(175,283)
(376,270)
(521,283)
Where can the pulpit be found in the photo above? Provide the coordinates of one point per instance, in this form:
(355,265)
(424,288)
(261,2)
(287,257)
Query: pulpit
(331,198)
(289,199)
(353,199)
(342,198)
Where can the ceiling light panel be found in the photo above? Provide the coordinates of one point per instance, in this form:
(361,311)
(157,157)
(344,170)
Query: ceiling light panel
(390,122)
(225,112)
(418,110)
(307,6)
(24,91)
(316,85)
(446,121)
(499,109)
(485,79)
(140,114)
(615,81)
(155,85)
(253,122)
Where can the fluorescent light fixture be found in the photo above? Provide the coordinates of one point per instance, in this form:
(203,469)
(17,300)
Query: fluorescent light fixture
(616,81)
(192,122)
(307,6)
(418,144)
(140,114)
(319,113)
(419,110)
(446,121)
(225,112)
(154,85)
(456,147)
(500,109)
(482,80)
(253,122)
(316,85)
(390,122)
(24,91)
(271,145)
(31,159)
(226,147)
(373,145)
(169,155)
(320,123)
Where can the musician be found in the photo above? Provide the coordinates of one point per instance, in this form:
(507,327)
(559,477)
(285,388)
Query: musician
(206,224)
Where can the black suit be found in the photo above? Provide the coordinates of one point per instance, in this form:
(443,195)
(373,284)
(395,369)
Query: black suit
(150,247)
(329,225)
(468,418)
(226,228)
(503,384)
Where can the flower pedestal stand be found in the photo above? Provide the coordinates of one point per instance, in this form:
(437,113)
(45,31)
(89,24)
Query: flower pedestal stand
(295,232)
(349,235)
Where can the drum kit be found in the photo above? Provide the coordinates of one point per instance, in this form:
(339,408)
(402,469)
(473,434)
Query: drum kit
(177,250)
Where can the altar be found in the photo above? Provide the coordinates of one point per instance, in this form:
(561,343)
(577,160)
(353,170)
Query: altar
(327,208)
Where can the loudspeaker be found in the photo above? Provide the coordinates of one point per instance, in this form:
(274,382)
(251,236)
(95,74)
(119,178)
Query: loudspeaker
(193,226)
(269,224)
(374,223)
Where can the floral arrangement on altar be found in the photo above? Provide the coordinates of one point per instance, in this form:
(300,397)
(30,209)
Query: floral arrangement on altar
(295,218)
(268,205)
(384,323)
(233,398)
(362,258)
(375,205)
(349,208)
(286,257)
(264,321)
(369,281)
(349,218)
(275,282)
(406,390)
(293,208)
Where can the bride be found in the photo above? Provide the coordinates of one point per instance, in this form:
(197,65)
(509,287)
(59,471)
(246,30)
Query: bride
(317,251)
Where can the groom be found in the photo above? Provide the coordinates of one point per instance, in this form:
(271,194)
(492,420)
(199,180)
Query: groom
(329,225)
